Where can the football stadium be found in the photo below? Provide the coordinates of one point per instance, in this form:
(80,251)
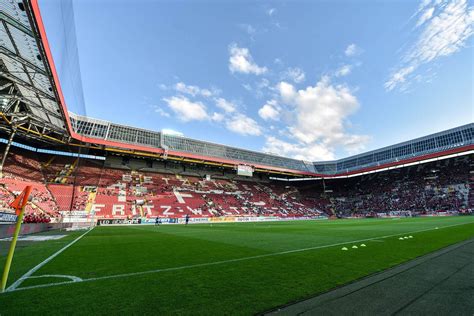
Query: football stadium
(102,217)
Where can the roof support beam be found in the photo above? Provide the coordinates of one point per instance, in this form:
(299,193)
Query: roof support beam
(7,149)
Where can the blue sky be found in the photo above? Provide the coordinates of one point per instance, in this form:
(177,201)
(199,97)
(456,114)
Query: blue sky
(315,80)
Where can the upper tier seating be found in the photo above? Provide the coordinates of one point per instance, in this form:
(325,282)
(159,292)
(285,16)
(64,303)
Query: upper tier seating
(24,166)
(432,187)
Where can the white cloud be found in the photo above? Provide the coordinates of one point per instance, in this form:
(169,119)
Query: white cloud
(399,77)
(344,70)
(445,33)
(160,111)
(262,87)
(217,117)
(206,93)
(225,105)
(244,125)
(319,121)
(182,87)
(424,4)
(352,50)
(294,74)
(321,111)
(168,131)
(286,90)
(442,34)
(269,111)
(354,144)
(241,61)
(186,110)
(425,16)
(192,90)
(313,152)
(271,11)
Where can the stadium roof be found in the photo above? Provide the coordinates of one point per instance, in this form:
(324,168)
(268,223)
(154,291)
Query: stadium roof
(456,140)
(28,95)
(31,99)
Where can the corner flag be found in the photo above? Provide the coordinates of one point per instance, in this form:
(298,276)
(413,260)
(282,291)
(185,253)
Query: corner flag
(19,204)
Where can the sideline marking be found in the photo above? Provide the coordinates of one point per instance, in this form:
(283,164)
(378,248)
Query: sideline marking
(29,273)
(124,275)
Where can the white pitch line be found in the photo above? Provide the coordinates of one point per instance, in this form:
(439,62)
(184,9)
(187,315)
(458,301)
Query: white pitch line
(29,273)
(124,275)
(72,277)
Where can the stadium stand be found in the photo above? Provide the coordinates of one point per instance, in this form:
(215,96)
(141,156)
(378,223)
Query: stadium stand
(113,189)
(442,186)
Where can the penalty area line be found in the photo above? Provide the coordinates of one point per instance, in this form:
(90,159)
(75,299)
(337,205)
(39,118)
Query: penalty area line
(124,275)
(25,276)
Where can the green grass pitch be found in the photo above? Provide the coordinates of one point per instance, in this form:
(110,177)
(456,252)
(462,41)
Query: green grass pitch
(241,268)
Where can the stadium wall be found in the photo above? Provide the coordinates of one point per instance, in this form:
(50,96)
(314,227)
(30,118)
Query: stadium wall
(7,230)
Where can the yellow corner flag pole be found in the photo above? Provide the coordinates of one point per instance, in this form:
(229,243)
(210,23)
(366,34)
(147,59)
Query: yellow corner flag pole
(19,204)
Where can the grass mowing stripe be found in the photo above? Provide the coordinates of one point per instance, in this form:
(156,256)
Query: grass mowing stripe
(41,264)
(124,275)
